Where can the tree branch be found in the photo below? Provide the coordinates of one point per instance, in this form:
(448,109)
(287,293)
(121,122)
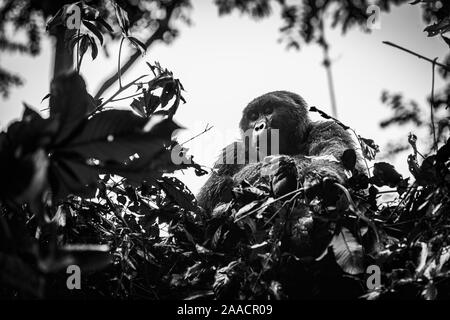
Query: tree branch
(157,35)
(327,65)
(446,67)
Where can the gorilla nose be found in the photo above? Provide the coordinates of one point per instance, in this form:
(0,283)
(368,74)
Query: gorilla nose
(260,126)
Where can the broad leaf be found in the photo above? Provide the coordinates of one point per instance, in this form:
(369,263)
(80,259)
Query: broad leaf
(116,135)
(385,174)
(348,252)
(69,103)
(179,193)
(72,177)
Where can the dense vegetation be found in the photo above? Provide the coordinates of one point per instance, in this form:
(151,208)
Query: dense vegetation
(91,186)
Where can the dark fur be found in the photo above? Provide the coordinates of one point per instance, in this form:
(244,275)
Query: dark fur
(299,138)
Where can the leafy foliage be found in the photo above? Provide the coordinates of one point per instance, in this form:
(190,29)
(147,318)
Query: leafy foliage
(90,185)
(73,160)
(154,20)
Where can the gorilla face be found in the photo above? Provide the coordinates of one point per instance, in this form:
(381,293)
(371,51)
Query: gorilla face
(282,113)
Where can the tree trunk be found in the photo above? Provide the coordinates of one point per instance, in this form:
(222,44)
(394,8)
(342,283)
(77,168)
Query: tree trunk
(63,58)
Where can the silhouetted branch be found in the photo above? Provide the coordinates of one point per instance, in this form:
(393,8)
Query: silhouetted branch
(157,35)
(446,67)
(197,135)
(327,64)
(432,105)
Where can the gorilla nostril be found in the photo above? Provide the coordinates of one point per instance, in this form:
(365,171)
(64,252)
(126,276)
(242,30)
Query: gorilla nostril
(260,126)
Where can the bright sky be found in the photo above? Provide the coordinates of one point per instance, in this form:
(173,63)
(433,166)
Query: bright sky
(225,62)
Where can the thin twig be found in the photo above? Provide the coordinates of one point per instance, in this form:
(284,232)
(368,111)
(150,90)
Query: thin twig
(127,97)
(118,62)
(203,132)
(446,67)
(296,192)
(279,210)
(327,64)
(119,91)
(432,105)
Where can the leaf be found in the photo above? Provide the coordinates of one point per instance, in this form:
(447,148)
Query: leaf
(216,237)
(437,264)
(438,28)
(122,18)
(372,295)
(443,153)
(246,193)
(430,292)
(69,103)
(72,177)
(93,28)
(167,93)
(200,295)
(145,105)
(151,103)
(359,181)
(73,41)
(137,44)
(89,13)
(413,165)
(105,24)
(348,252)
(385,174)
(45,97)
(94,49)
(123,143)
(32,132)
(113,135)
(152,68)
(349,159)
(84,44)
(368,148)
(425,174)
(428,170)
(447,40)
(176,190)
(247,208)
(138,105)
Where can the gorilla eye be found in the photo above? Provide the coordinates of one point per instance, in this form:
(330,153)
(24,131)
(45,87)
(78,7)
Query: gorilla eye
(268,110)
(253,116)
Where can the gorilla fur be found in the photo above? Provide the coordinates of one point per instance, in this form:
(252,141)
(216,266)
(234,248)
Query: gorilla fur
(306,150)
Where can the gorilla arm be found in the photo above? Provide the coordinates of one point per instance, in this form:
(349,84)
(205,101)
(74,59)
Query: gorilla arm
(326,144)
(220,183)
(216,189)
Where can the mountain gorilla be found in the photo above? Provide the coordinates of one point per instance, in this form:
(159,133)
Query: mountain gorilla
(307,153)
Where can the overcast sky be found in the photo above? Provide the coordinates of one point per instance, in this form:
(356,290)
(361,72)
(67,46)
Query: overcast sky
(225,62)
